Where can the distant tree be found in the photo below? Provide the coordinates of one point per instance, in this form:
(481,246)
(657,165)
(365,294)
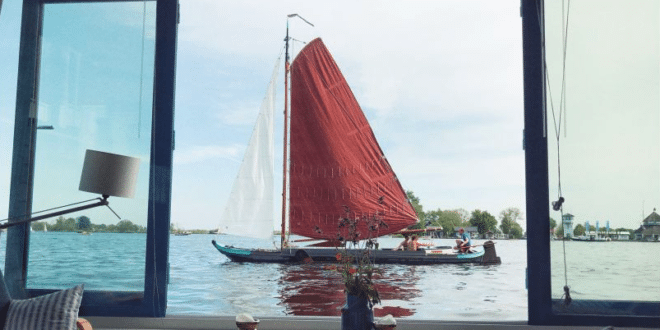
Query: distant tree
(516,231)
(508,217)
(38,226)
(62,224)
(448,220)
(579,230)
(126,226)
(102,228)
(84,223)
(463,214)
(483,220)
(560,231)
(553,223)
(70,224)
(414,200)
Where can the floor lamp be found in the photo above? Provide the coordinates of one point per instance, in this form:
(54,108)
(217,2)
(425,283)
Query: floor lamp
(103,173)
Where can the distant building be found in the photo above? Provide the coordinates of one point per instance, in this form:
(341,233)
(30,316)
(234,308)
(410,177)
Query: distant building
(622,236)
(567,221)
(650,228)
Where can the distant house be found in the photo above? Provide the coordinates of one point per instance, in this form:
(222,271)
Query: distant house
(650,228)
(622,236)
(567,220)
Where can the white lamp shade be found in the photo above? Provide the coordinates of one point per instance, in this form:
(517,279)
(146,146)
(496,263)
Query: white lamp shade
(109,174)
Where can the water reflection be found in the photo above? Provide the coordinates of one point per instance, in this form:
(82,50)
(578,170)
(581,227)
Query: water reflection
(311,290)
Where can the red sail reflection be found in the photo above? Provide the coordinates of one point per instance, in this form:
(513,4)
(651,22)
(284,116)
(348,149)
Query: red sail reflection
(311,290)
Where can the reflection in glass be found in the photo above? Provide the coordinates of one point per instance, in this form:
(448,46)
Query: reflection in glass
(603,128)
(95,91)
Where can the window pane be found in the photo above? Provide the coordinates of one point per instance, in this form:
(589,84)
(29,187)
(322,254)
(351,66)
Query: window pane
(603,145)
(441,85)
(95,92)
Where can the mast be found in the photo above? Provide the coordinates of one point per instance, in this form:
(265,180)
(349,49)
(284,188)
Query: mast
(286,127)
(286,134)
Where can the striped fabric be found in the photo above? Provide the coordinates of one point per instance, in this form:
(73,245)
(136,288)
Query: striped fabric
(58,310)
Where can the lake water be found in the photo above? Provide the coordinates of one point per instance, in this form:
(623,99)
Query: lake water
(204,282)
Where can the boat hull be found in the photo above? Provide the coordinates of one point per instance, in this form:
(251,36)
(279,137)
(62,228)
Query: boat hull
(442,255)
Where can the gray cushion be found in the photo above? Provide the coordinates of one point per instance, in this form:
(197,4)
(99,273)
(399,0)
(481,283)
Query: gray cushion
(58,310)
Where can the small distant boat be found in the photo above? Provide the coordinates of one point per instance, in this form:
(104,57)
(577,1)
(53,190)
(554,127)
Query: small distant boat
(591,239)
(182,233)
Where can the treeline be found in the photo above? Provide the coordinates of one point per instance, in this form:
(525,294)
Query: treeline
(485,222)
(84,224)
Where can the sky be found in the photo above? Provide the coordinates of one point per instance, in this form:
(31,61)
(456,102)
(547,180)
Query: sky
(440,82)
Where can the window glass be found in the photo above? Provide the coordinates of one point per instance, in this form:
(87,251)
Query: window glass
(95,92)
(440,83)
(603,117)
(10,29)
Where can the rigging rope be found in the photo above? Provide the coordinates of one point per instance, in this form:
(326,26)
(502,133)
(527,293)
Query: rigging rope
(557,124)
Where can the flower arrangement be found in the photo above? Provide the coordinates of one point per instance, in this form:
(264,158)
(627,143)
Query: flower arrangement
(354,254)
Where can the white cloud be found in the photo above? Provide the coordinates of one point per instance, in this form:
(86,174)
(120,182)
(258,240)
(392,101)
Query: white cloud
(197,154)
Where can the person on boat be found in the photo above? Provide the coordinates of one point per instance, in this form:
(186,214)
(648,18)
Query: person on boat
(415,244)
(463,244)
(404,244)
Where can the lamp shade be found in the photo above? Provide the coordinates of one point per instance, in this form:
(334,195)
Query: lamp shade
(109,174)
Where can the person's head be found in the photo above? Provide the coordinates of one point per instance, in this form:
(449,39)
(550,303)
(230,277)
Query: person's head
(406,237)
(414,238)
(461,230)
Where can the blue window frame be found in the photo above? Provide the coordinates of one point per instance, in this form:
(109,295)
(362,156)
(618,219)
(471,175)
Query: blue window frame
(542,309)
(153,299)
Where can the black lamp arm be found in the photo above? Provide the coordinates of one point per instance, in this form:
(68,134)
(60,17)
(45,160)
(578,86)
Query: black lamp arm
(102,202)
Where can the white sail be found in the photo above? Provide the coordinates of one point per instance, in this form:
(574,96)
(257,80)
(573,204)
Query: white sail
(249,211)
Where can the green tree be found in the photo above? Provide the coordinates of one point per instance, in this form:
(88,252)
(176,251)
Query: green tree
(102,228)
(509,217)
(516,231)
(579,230)
(414,200)
(553,223)
(448,220)
(38,226)
(126,226)
(84,223)
(560,231)
(483,220)
(62,224)
(70,224)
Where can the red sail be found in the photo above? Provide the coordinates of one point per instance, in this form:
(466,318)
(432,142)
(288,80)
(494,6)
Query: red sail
(335,160)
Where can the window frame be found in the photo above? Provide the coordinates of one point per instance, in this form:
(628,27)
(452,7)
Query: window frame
(541,307)
(152,301)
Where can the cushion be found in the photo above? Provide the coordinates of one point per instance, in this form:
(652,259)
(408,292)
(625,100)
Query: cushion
(58,310)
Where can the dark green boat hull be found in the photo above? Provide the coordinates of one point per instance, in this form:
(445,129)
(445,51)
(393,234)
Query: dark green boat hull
(431,256)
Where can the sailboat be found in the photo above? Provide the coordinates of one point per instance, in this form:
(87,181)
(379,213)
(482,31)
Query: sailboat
(332,163)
